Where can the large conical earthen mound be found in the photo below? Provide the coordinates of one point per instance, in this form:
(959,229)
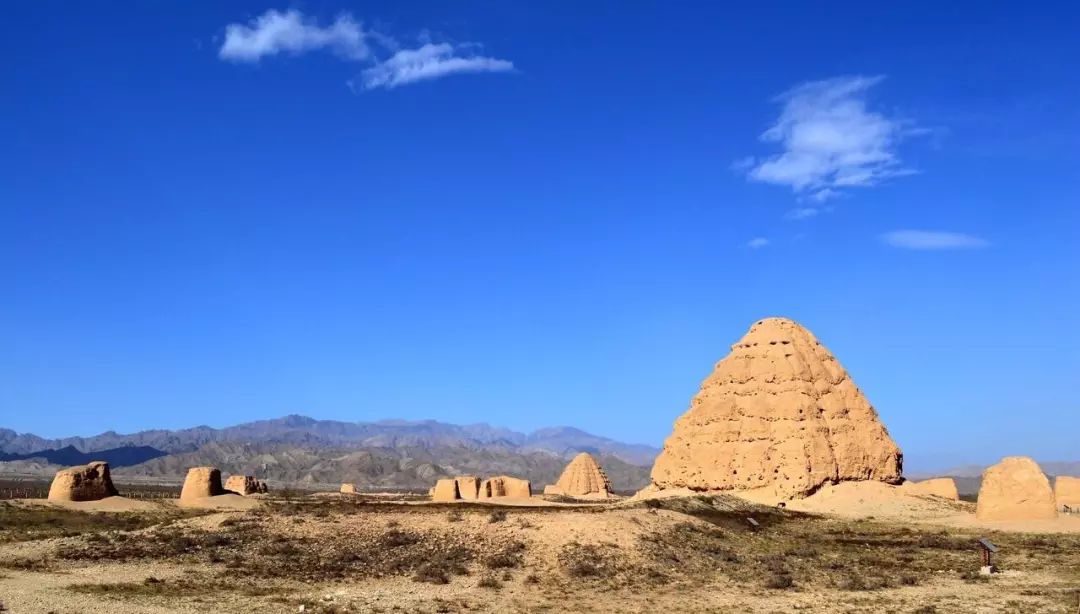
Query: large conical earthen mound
(779,411)
(583,477)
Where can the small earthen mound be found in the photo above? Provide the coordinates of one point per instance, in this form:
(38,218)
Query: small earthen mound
(583,477)
(201,482)
(89,482)
(445,489)
(348,489)
(243,485)
(1067,491)
(778,412)
(937,487)
(1015,489)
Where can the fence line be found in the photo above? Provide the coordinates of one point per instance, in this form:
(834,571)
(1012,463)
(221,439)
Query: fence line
(41,493)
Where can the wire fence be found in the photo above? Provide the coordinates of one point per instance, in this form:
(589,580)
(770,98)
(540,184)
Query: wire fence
(42,493)
(23,493)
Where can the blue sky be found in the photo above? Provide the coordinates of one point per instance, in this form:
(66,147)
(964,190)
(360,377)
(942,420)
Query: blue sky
(537,214)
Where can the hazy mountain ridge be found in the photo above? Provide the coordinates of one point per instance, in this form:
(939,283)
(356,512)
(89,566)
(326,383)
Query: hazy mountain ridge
(298,449)
(968,478)
(70,455)
(1050,468)
(400,467)
(305,431)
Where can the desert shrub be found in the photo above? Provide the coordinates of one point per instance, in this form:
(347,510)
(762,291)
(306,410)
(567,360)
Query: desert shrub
(803,551)
(779,581)
(972,576)
(432,574)
(23,564)
(279,548)
(855,581)
(588,560)
(508,557)
(396,538)
(489,582)
(497,516)
(774,563)
(941,541)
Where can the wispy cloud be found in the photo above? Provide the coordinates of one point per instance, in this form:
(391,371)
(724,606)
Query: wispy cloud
(932,240)
(757,243)
(291,32)
(275,32)
(801,213)
(428,62)
(830,140)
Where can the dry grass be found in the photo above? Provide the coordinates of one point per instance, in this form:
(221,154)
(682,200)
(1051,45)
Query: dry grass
(681,545)
(152,587)
(29,523)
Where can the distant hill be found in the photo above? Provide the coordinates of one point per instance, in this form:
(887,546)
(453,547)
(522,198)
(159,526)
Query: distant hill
(969,477)
(400,467)
(299,449)
(304,431)
(70,455)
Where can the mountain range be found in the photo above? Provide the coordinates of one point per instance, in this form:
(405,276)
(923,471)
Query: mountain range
(299,449)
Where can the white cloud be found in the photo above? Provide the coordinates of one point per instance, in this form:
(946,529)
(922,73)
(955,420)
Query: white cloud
(275,32)
(430,61)
(757,243)
(830,140)
(801,213)
(932,240)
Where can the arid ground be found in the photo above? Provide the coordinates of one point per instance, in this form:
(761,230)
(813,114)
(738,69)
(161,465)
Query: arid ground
(335,553)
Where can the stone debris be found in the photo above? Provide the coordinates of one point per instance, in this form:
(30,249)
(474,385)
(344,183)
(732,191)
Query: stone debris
(779,411)
(90,482)
(201,482)
(1015,489)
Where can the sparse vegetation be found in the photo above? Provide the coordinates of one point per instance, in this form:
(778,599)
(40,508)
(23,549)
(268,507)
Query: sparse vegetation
(28,523)
(779,581)
(589,560)
(509,556)
(182,587)
(861,561)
